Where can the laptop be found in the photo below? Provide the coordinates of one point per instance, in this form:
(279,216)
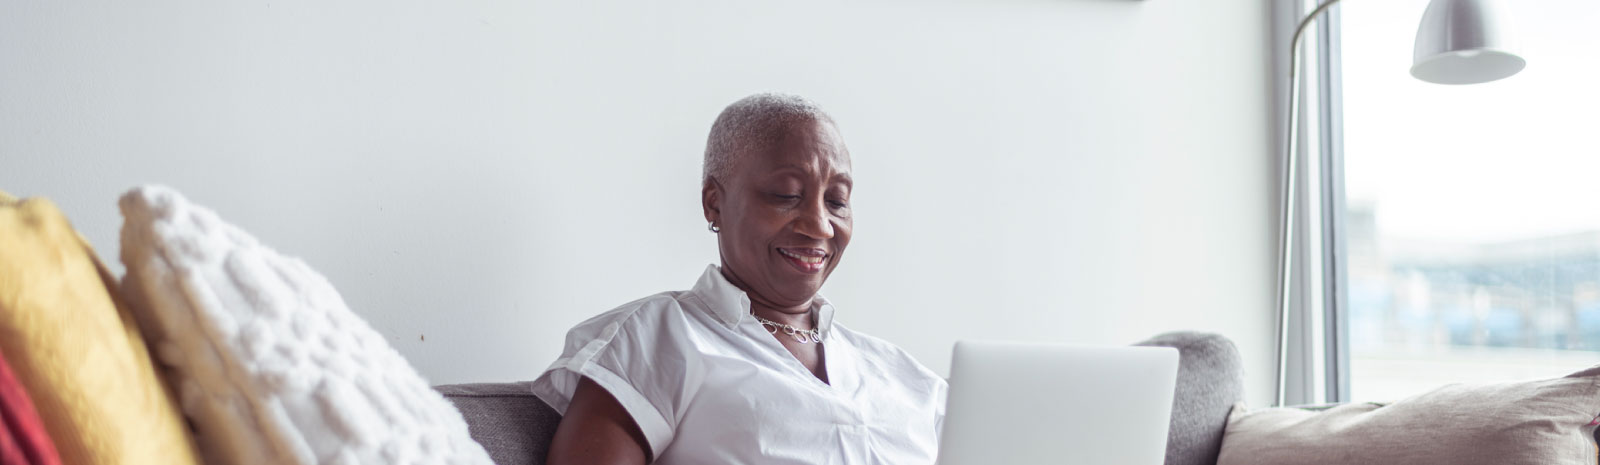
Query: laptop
(1018,403)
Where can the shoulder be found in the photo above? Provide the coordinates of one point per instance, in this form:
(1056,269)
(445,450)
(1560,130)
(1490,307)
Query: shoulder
(662,311)
(625,343)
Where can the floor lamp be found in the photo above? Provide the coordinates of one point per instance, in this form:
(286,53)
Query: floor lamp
(1459,42)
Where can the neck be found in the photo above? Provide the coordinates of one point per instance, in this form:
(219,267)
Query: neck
(798,316)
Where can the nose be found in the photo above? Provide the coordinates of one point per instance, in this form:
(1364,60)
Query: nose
(814,221)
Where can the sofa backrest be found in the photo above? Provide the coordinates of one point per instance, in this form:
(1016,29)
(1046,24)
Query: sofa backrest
(507,419)
(516,427)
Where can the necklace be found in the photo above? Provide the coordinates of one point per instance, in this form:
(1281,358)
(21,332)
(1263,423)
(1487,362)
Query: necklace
(805,336)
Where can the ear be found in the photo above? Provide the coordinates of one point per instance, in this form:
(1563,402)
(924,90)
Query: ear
(711,200)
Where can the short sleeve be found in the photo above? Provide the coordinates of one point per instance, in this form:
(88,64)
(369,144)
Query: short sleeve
(641,354)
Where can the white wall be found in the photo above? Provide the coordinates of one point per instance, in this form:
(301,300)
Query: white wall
(486,174)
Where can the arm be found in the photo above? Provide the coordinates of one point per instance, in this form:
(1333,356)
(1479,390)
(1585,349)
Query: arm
(597,430)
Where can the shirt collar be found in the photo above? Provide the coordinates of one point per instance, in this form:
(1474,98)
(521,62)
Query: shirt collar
(731,306)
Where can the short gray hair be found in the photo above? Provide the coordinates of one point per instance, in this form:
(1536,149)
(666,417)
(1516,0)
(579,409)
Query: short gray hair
(752,123)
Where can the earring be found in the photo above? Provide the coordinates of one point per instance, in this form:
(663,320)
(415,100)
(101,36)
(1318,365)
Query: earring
(712,225)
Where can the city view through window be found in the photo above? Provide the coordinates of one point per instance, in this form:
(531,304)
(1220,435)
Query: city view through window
(1472,212)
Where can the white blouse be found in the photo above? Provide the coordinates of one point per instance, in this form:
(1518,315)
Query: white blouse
(707,384)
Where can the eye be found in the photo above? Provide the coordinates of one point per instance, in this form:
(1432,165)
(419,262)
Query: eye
(838,204)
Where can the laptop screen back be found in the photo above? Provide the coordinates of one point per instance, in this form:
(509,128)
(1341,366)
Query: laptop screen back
(1024,403)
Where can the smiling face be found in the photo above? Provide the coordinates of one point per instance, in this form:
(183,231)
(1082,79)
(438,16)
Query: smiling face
(784,212)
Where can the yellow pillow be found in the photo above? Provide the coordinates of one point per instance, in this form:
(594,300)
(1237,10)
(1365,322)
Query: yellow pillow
(77,350)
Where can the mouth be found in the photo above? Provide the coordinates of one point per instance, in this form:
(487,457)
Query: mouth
(805,259)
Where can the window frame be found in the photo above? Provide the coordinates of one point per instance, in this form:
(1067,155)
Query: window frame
(1335,276)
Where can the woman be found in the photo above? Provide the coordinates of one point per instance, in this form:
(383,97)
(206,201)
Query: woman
(749,366)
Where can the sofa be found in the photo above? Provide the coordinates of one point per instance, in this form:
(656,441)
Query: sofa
(516,427)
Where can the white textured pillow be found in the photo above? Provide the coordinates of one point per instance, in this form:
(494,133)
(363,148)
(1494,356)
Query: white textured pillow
(269,363)
(1545,422)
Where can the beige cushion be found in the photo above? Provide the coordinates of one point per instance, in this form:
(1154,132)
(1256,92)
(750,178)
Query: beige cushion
(271,365)
(1546,422)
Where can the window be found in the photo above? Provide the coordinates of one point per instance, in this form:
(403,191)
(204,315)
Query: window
(1471,214)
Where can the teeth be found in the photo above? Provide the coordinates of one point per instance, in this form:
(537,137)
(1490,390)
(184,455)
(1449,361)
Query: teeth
(804,259)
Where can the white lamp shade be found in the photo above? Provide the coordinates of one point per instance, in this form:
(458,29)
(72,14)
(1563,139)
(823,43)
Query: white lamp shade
(1464,42)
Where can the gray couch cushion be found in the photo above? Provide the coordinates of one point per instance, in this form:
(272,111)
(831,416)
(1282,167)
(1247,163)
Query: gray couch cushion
(1210,381)
(513,425)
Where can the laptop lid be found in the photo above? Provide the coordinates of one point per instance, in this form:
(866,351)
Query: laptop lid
(1029,403)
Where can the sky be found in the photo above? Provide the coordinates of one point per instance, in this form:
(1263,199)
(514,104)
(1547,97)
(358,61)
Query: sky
(1511,159)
